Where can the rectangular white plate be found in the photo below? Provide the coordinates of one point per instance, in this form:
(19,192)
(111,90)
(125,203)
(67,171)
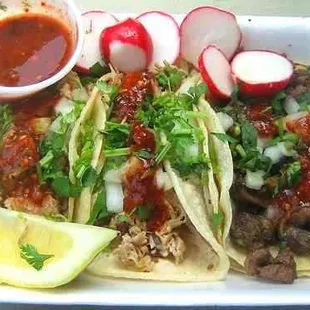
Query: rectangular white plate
(285,35)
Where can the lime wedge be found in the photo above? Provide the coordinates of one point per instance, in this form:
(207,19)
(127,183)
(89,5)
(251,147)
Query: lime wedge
(38,253)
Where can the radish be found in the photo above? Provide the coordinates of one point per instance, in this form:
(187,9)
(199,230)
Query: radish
(165,34)
(94,23)
(127,46)
(216,72)
(209,26)
(261,73)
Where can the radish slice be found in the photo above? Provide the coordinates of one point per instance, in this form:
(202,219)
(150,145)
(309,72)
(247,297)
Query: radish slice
(94,23)
(127,46)
(261,73)
(216,72)
(165,34)
(209,26)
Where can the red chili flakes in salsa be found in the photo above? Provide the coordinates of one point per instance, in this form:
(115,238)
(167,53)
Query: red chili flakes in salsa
(142,138)
(301,127)
(134,88)
(261,116)
(33,48)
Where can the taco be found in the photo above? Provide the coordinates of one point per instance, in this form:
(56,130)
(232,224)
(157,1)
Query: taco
(269,141)
(34,146)
(152,180)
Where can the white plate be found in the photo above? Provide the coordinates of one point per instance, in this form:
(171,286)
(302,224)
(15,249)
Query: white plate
(285,35)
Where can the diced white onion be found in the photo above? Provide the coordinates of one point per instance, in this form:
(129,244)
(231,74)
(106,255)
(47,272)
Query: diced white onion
(114,197)
(55,126)
(254,180)
(290,105)
(64,106)
(261,144)
(225,120)
(163,180)
(193,150)
(277,152)
(114,176)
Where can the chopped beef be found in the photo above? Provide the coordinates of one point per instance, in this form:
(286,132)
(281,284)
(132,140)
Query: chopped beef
(280,269)
(251,230)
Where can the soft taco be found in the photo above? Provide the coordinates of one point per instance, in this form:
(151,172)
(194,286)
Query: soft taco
(152,180)
(269,140)
(34,147)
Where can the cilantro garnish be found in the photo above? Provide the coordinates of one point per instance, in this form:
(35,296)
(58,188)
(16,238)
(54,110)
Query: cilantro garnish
(99,70)
(110,90)
(30,254)
(144,212)
(144,154)
(6,119)
(170,77)
(99,210)
(224,137)
(277,103)
(115,135)
(216,221)
(248,135)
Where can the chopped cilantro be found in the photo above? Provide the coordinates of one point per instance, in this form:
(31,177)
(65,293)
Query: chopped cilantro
(170,77)
(161,154)
(116,135)
(30,254)
(6,119)
(216,221)
(277,103)
(99,210)
(144,154)
(99,70)
(286,137)
(117,152)
(224,137)
(254,161)
(248,135)
(89,177)
(64,188)
(144,212)
(122,218)
(293,173)
(110,90)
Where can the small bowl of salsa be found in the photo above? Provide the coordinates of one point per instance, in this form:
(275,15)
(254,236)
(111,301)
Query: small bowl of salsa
(40,42)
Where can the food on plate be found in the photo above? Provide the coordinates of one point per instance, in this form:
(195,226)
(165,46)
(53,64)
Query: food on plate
(165,47)
(152,183)
(34,47)
(39,253)
(269,141)
(34,179)
(94,23)
(127,46)
(205,26)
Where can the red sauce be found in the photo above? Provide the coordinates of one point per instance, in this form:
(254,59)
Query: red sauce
(134,88)
(300,194)
(261,116)
(141,188)
(301,127)
(33,48)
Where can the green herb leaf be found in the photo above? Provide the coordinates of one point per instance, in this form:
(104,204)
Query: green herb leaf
(235,93)
(6,119)
(277,103)
(98,70)
(99,209)
(117,153)
(161,154)
(116,135)
(224,137)
(286,137)
(110,90)
(122,218)
(254,161)
(217,220)
(293,173)
(170,77)
(89,177)
(64,188)
(30,254)
(248,135)
(144,212)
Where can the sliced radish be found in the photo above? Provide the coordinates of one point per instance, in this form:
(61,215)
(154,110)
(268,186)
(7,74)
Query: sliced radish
(165,34)
(216,72)
(209,26)
(127,46)
(94,23)
(261,73)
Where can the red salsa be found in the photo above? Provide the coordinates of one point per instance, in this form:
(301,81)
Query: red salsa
(33,47)
(261,116)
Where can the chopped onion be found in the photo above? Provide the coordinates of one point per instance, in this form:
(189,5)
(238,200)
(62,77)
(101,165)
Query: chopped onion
(114,176)
(225,120)
(114,197)
(64,106)
(254,180)
(55,126)
(163,180)
(261,144)
(290,105)
(277,152)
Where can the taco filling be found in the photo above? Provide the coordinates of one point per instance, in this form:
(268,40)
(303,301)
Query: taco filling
(149,129)
(34,137)
(269,140)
